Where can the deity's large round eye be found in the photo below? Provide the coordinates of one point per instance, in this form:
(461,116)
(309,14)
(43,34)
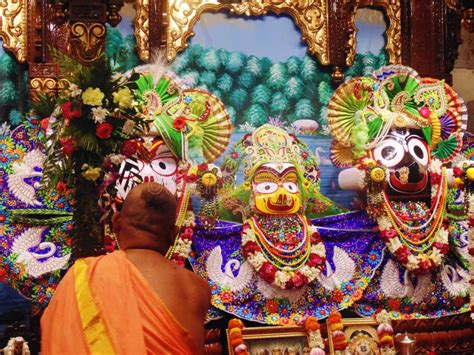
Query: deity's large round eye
(165,166)
(266,187)
(418,149)
(390,152)
(290,187)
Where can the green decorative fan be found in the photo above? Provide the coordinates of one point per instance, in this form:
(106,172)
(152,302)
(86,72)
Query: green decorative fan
(347,106)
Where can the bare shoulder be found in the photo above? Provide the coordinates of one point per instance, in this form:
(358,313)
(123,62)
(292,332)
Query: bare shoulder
(198,287)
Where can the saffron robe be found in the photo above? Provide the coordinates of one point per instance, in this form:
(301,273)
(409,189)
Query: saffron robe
(103,305)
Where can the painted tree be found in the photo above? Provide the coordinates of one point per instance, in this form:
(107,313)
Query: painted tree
(309,69)
(293,65)
(224,83)
(238,98)
(191,77)
(370,63)
(325,92)
(246,80)
(207,78)
(277,77)
(261,95)
(232,114)
(209,60)
(279,104)
(254,66)
(121,50)
(13,90)
(304,110)
(294,88)
(256,115)
(235,62)
(223,54)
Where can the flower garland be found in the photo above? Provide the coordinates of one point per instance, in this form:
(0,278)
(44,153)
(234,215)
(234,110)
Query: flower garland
(406,242)
(277,276)
(234,334)
(338,337)
(385,333)
(464,179)
(315,340)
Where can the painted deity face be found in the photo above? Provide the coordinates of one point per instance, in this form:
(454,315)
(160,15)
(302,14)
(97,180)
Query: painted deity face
(161,167)
(276,190)
(407,156)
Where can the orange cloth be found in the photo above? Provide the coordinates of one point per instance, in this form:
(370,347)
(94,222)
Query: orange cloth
(104,305)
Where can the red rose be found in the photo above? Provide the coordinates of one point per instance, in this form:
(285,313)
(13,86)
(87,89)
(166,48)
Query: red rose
(299,279)
(459,301)
(314,260)
(68,145)
(250,248)
(61,186)
(394,304)
(435,178)
(388,234)
(129,147)
(424,266)
(402,254)
(104,130)
(458,172)
(315,238)
(471,251)
(188,233)
(44,123)
(337,296)
(271,306)
(443,247)
(234,155)
(179,123)
(267,272)
(202,167)
(69,112)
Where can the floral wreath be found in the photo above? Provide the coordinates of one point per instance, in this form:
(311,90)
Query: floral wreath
(280,277)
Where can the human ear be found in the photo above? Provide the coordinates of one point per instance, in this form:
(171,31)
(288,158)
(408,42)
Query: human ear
(116,222)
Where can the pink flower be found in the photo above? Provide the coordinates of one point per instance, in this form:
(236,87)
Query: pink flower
(388,234)
(267,272)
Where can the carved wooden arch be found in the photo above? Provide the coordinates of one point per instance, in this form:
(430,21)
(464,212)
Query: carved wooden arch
(13,24)
(311,17)
(392,10)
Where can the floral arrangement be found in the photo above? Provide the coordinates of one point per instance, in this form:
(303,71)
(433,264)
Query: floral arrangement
(236,340)
(90,129)
(336,327)
(280,277)
(385,333)
(412,224)
(315,340)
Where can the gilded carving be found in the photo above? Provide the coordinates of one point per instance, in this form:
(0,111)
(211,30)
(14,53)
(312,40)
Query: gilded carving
(87,41)
(45,86)
(13,19)
(394,40)
(142,30)
(311,16)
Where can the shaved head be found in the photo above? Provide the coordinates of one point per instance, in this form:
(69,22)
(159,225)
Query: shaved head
(148,211)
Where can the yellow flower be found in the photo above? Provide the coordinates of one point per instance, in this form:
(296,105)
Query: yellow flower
(91,174)
(123,97)
(92,97)
(377,174)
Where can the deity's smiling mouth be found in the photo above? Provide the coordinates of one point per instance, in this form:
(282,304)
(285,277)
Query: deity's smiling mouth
(281,205)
